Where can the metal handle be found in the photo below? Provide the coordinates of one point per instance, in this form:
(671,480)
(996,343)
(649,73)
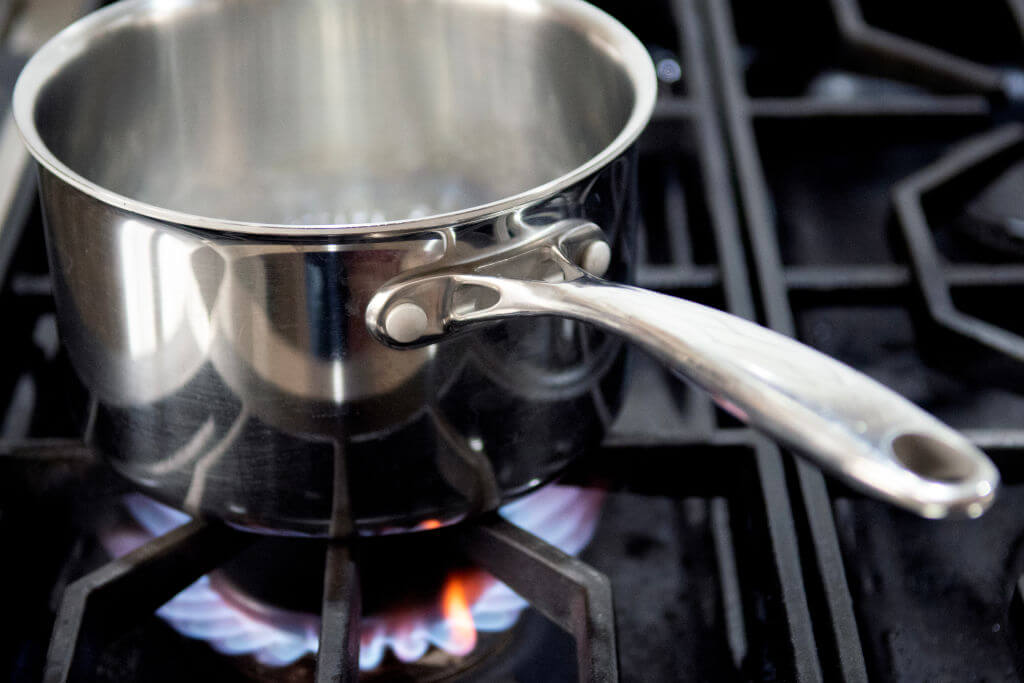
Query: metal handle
(848,423)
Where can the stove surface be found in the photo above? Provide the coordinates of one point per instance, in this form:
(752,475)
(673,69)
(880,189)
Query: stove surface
(845,171)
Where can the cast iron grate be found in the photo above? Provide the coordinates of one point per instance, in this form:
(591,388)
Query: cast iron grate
(863,184)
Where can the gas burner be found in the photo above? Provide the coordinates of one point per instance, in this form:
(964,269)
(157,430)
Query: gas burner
(469,602)
(433,667)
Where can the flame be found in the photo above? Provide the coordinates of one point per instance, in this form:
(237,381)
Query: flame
(458,617)
(428,524)
(472,601)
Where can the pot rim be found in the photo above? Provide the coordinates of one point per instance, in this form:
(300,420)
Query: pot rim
(67,45)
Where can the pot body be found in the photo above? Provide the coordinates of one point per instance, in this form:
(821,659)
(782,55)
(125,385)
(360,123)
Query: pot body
(267,220)
(234,376)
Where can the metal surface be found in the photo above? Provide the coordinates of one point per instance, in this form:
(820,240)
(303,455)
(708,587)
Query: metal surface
(846,422)
(816,175)
(337,661)
(230,371)
(910,59)
(106,602)
(210,354)
(26,26)
(937,279)
(239,115)
(564,589)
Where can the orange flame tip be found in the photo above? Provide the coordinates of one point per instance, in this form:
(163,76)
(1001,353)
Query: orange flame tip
(455,606)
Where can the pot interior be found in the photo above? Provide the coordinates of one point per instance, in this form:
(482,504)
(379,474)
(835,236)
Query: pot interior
(319,112)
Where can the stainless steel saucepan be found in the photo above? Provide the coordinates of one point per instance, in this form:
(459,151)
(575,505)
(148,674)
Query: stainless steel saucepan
(298,248)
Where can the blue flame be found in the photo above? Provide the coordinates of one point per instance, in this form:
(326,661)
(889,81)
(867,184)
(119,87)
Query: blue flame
(563,516)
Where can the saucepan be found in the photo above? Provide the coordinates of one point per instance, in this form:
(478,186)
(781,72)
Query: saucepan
(356,266)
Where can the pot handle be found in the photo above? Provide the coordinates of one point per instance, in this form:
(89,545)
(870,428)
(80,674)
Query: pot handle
(846,422)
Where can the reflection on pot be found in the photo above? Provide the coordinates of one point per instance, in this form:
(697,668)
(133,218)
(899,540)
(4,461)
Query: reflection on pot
(280,413)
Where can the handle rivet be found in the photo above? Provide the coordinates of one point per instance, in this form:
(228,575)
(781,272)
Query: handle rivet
(405,323)
(595,257)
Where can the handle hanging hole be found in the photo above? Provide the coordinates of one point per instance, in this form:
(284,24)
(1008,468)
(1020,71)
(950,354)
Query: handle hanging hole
(932,459)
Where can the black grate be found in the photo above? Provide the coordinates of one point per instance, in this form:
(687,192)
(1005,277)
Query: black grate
(852,183)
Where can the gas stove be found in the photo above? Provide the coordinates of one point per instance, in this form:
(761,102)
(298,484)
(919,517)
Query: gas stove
(849,172)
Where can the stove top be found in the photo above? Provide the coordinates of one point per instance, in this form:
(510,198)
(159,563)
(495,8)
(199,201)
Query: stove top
(845,171)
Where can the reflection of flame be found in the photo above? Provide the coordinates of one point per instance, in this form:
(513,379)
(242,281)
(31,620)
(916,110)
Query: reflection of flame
(472,601)
(428,524)
(457,615)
